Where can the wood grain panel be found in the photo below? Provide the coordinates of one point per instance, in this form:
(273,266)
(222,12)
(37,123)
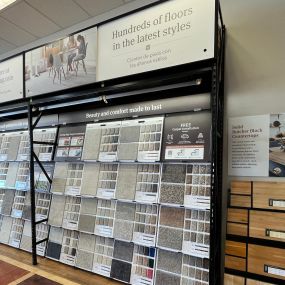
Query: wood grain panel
(237,215)
(241,187)
(235,248)
(237,229)
(259,256)
(264,191)
(233,280)
(241,201)
(273,222)
(255,282)
(233,262)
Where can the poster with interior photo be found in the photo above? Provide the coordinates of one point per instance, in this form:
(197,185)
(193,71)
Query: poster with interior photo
(63,64)
(277,145)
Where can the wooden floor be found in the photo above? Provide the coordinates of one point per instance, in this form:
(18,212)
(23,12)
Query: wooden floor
(16,268)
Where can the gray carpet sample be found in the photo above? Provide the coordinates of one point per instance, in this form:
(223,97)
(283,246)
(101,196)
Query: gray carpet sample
(125,211)
(88,206)
(123,230)
(13,148)
(90,179)
(126,184)
(172,194)
(92,144)
(84,259)
(128,152)
(12,174)
(6,229)
(130,134)
(86,242)
(170,238)
(26,243)
(53,250)
(121,270)
(56,235)
(169,261)
(8,202)
(163,278)
(173,173)
(27,207)
(56,210)
(172,217)
(86,223)
(123,250)
(59,177)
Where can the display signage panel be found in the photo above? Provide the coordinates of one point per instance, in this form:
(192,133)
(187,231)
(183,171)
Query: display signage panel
(11,79)
(172,33)
(63,64)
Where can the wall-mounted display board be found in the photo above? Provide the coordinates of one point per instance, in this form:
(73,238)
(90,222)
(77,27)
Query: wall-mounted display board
(11,79)
(63,64)
(168,34)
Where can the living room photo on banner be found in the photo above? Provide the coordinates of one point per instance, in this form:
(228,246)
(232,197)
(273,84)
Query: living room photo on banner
(63,64)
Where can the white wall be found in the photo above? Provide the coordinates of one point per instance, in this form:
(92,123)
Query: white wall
(255,62)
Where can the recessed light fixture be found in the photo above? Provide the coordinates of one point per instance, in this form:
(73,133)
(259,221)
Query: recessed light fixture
(6,3)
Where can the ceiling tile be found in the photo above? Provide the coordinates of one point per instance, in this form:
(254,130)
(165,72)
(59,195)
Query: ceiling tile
(5,46)
(97,7)
(14,34)
(65,13)
(26,17)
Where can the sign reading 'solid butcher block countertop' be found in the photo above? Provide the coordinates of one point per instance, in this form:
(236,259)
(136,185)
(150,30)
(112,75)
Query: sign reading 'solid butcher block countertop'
(255,246)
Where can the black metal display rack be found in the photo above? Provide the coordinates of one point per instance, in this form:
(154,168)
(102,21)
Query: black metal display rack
(194,78)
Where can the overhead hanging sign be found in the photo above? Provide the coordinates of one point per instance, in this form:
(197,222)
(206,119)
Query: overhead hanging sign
(248,153)
(172,33)
(11,79)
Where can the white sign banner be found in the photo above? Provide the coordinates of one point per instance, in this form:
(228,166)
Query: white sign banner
(11,79)
(172,33)
(248,153)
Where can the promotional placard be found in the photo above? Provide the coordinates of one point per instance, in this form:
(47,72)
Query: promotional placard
(62,64)
(187,137)
(11,79)
(171,33)
(248,153)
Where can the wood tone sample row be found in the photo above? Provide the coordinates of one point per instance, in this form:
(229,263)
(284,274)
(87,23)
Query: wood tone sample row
(237,280)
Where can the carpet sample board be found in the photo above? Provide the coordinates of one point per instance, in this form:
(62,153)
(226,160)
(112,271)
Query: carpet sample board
(6,229)
(91,146)
(169,261)
(121,270)
(12,151)
(56,235)
(170,238)
(90,179)
(56,210)
(84,259)
(172,217)
(88,206)
(59,178)
(86,242)
(86,223)
(8,201)
(123,250)
(53,250)
(12,174)
(172,194)
(164,278)
(173,173)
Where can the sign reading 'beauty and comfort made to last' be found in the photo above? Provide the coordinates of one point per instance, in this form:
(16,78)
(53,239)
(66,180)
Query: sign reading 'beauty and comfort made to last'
(172,33)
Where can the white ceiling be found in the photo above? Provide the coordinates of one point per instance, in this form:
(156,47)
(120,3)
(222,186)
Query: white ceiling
(27,21)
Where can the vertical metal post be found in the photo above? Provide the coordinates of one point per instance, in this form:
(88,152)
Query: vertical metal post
(32,185)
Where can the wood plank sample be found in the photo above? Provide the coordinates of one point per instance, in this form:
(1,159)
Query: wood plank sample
(237,215)
(237,229)
(241,187)
(269,195)
(235,248)
(233,280)
(267,261)
(267,225)
(240,201)
(237,263)
(255,282)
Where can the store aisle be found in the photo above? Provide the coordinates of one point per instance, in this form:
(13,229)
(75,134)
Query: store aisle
(16,268)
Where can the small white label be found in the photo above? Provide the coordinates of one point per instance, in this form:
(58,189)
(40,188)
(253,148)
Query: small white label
(20,185)
(276,234)
(3,157)
(2,183)
(145,197)
(45,156)
(108,156)
(40,250)
(106,193)
(67,259)
(279,204)
(104,231)
(144,239)
(72,190)
(17,213)
(40,217)
(102,269)
(139,280)
(186,152)
(148,156)
(15,243)
(197,202)
(196,249)
(23,157)
(70,225)
(276,271)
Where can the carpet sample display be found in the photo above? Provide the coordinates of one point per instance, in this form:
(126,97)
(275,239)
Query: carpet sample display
(74,178)
(56,210)
(16,232)
(27,207)
(71,213)
(129,141)
(5,229)
(172,217)
(42,205)
(9,146)
(12,174)
(164,278)
(126,185)
(121,270)
(172,194)
(124,221)
(173,173)
(69,247)
(23,176)
(147,183)
(4,168)
(88,206)
(169,261)
(86,242)
(59,178)
(24,147)
(123,250)
(18,204)
(107,183)
(53,250)
(8,201)
(56,235)
(86,223)
(92,142)
(26,241)
(84,259)
(90,179)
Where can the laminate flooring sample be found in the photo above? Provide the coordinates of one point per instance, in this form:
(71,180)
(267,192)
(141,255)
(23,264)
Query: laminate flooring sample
(6,229)
(126,184)
(164,278)
(92,141)
(123,250)
(8,201)
(169,261)
(121,270)
(172,194)
(90,179)
(56,210)
(12,174)
(59,177)
(173,173)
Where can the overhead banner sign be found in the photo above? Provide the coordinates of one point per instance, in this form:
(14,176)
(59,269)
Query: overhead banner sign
(172,33)
(248,153)
(11,79)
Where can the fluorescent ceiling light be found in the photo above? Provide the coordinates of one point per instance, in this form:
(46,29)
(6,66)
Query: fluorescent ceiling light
(5,3)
